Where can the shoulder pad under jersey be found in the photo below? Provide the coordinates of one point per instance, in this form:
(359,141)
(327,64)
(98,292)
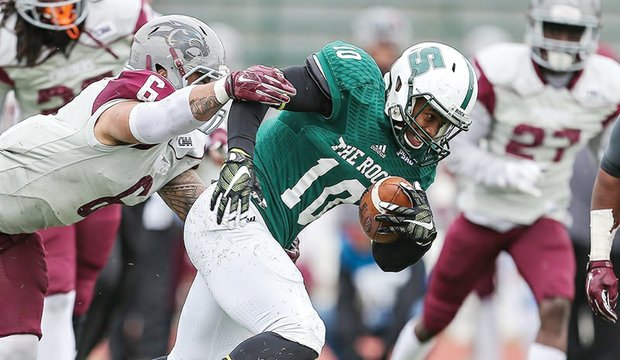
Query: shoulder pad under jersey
(141,85)
(510,65)
(110,20)
(598,84)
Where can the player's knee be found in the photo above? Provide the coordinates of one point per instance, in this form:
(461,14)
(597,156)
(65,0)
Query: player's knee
(271,346)
(19,347)
(309,331)
(554,313)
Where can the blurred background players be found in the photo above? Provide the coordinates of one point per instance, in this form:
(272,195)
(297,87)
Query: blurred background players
(531,119)
(49,52)
(384,32)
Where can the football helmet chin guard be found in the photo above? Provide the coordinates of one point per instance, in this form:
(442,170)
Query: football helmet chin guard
(563,55)
(444,79)
(54,15)
(182,45)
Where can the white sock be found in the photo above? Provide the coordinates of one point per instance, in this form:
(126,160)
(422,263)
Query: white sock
(58,341)
(545,352)
(18,347)
(408,347)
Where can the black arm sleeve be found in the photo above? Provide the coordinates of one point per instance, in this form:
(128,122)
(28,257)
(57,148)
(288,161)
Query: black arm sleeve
(397,255)
(243,122)
(312,90)
(312,96)
(611,159)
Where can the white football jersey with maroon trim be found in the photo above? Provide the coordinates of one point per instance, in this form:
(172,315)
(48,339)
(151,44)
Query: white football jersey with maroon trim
(534,120)
(53,171)
(102,51)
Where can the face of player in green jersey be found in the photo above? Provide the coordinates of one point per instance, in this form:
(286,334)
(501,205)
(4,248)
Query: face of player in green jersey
(428,122)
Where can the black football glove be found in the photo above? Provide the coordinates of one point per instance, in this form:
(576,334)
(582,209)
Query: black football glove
(415,223)
(235,186)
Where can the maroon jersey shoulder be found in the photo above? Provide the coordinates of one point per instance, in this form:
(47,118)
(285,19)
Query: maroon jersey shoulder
(141,85)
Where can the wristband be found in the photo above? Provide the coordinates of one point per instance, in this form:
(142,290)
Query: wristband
(219,88)
(601,234)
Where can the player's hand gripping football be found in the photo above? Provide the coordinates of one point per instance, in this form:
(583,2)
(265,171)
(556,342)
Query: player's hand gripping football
(414,223)
(235,186)
(602,289)
(257,83)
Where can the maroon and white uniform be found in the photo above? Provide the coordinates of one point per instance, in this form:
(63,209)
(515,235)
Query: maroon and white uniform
(101,51)
(47,164)
(519,116)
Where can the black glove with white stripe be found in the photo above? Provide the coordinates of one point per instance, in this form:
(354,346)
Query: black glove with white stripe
(235,186)
(415,223)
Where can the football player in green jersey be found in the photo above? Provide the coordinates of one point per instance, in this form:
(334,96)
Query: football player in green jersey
(346,128)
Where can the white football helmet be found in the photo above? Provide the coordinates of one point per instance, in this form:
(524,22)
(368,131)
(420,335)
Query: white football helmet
(53,15)
(577,15)
(443,78)
(180,44)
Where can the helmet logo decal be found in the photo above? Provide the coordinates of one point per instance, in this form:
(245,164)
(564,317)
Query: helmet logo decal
(185,39)
(420,62)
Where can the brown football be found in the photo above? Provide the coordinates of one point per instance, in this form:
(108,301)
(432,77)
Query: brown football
(388,190)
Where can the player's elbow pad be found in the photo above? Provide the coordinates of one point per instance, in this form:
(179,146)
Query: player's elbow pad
(398,255)
(160,121)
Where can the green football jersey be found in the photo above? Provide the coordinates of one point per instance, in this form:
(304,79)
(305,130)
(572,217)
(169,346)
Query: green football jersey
(308,163)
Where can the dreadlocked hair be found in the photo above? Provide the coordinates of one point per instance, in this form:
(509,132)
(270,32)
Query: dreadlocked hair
(33,41)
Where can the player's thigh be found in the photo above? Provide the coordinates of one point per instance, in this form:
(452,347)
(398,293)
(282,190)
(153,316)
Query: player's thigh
(251,277)
(205,331)
(95,237)
(23,284)
(468,253)
(59,243)
(545,258)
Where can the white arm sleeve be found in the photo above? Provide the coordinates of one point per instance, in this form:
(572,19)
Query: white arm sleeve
(160,121)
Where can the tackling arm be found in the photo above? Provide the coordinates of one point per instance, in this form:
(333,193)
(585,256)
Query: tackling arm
(187,109)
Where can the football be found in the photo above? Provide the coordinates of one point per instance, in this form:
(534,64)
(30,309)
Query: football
(388,190)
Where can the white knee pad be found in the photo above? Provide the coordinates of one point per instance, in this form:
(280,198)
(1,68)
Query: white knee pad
(58,341)
(19,347)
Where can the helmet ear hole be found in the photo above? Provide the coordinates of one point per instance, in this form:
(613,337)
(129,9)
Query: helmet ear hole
(159,68)
(399,84)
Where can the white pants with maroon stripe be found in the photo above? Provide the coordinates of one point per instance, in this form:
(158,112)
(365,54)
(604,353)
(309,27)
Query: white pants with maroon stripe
(246,285)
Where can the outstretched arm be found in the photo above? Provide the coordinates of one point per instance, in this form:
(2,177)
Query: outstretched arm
(182,191)
(184,110)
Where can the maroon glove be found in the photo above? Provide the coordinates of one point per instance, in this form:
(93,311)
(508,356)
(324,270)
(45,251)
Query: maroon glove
(261,84)
(602,289)
(293,252)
